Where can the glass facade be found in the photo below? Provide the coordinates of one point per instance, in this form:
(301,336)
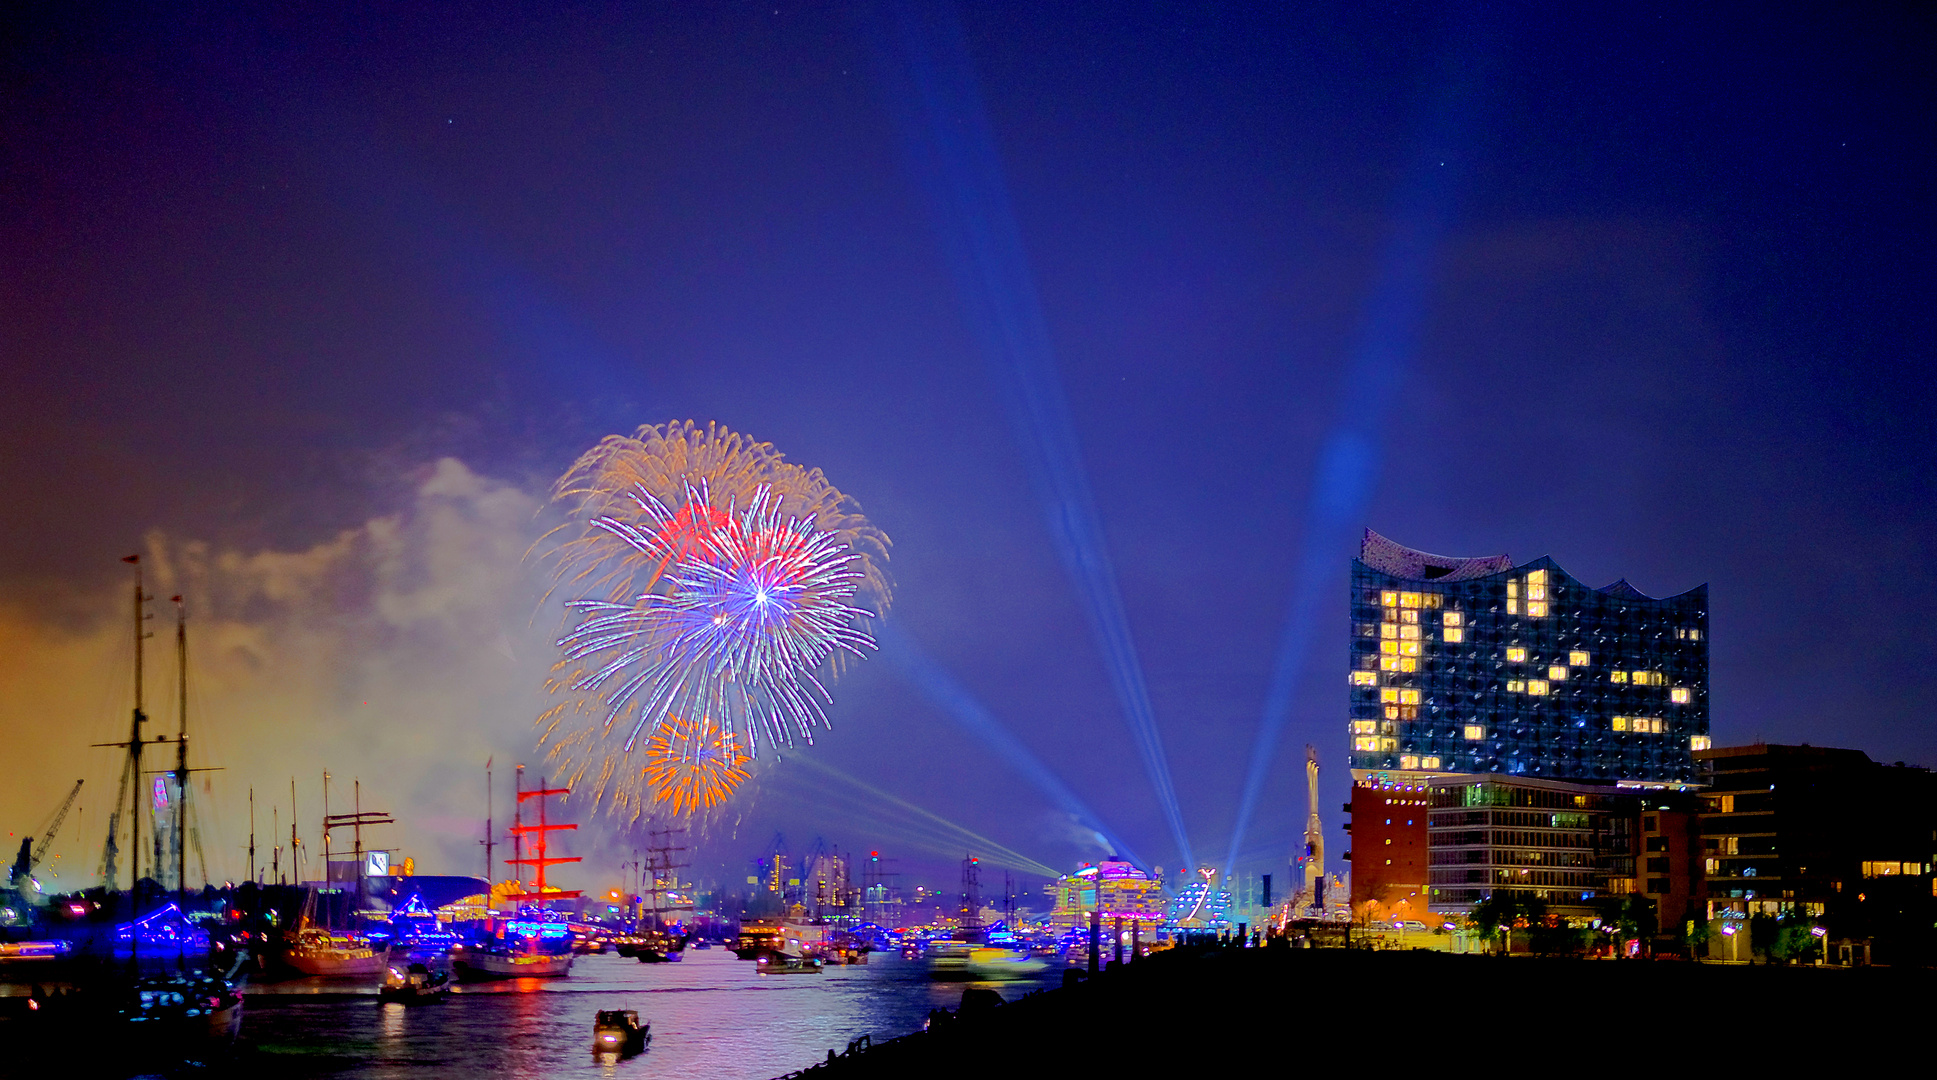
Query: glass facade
(1479,666)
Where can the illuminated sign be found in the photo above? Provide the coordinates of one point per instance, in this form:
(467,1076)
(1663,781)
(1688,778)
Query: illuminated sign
(376,864)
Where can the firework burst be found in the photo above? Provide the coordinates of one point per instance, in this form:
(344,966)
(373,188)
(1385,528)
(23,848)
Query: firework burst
(693,767)
(703,593)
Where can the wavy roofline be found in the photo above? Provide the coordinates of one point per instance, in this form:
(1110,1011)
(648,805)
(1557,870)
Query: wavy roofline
(1397,560)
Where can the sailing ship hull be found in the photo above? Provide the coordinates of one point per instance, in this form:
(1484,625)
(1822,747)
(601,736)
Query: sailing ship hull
(337,962)
(489,966)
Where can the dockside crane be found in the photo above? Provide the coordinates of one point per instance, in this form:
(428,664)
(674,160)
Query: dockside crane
(30,856)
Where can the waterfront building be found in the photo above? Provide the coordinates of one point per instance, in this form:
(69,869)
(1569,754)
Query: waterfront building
(1117,888)
(1389,841)
(1823,836)
(1476,665)
(1541,840)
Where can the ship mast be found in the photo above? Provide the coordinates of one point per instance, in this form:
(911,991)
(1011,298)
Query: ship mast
(130,791)
(539,861)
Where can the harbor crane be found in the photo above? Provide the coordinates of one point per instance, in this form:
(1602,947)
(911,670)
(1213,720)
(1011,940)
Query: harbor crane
(31,856)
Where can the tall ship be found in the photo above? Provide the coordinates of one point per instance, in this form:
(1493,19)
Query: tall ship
(662,932)
(533,942)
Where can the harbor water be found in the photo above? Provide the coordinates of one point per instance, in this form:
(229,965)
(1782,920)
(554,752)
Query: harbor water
(713,1016)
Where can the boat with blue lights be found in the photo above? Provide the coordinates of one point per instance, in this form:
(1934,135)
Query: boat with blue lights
(534,944)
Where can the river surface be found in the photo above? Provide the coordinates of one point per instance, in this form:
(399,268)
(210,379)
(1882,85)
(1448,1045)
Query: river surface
(713,1016)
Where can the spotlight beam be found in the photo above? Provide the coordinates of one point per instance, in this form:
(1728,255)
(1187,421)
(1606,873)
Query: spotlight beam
(1348,465)
(934,682)
(952,151)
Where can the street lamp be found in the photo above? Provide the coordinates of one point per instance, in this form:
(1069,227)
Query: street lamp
(1822,937)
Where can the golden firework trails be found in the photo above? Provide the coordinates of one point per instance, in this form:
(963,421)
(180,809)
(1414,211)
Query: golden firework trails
(693,767)
(709,577)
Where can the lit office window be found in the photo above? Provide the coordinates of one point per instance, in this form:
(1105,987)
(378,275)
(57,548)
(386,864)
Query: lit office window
(1518,656)
(1409,648)
(1407,761)
(1680,695)
(1366,743)
(1408,664)
(1557,673)
(1451,618)
(1454,635)
(1537,687)
(1365,727)
(1409,633)
(1389,630)
(1428,763)
(1537,609)
(1365,678)
(1617,676)
(1620,723)
(1577,658)
(1699,742)
(1409,599)
(1389,599)
(1516,686)
(1408,697)
(1474,733)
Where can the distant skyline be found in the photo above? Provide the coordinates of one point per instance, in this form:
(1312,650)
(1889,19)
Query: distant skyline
(312,307)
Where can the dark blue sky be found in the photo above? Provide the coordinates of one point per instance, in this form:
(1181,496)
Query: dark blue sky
(1669,321)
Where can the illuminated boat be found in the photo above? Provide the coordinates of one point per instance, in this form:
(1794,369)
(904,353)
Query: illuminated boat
(191,1018)
(415,985)
(321,952)
(618,1031)
(998,962)
(783,964)
(535,945)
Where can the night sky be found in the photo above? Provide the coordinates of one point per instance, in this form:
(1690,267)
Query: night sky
(311,306)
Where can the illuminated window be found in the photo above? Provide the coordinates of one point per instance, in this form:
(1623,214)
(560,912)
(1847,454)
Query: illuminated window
(1537,687)
(1711,866)
(1518,656)
(1557,673)
(1429,763)
(1389,630)
(1407,761)
(1408,697)
(1390,648)
(1451,618)
(1515,686)
(1474,733)
(1409,648)
(1433,600)
(1389,599)
(1648,678)
(1388,744)
(1513,607)
(1537,609)
(1454,635)
(1689,635)
(1536,592)
(1726,804)
(1365,678)
(1538,577)
(1392,712)
(1388,663)
(1513,588)
(1363,742)
(1409,633)
(1699,742)
(1617,676)
(1408,664)
(1680,695)
(1620,723)
(1365,727)
(1390,693)
(1577,658)
(1409,599)
(1409,616)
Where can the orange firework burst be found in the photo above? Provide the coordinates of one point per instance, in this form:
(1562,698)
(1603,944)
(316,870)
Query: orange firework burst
(693,767)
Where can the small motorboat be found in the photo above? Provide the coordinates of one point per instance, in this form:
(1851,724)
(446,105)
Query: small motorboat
(786,964)
(618,1031)
(415,985)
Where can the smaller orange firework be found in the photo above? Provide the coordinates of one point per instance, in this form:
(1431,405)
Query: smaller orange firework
(693,767)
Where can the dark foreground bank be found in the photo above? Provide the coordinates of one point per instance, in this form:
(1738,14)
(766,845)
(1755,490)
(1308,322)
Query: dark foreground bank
(1198,1010)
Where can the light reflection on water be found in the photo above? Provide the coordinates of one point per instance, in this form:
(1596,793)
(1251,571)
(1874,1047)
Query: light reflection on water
(712,1016)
